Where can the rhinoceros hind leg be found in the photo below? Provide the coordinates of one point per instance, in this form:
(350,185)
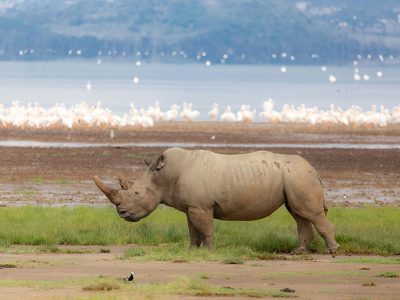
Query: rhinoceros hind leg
(202,222)
(325,229)
(306,199)
(305,233)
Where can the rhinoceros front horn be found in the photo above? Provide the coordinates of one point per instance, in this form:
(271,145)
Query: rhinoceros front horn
(111,193)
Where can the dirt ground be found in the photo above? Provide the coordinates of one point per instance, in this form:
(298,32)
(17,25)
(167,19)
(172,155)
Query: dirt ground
(62,176)
(323,277)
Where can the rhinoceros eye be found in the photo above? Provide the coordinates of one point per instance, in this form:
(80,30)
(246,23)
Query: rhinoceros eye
(136,192)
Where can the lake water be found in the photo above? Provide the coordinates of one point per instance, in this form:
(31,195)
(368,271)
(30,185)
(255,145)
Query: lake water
(112,84)
(37,144)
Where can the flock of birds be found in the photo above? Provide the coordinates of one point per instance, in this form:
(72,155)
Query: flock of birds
(85,115)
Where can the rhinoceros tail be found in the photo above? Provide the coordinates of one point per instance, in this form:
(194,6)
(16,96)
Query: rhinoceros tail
(325,208)
(324,201)
(287,202)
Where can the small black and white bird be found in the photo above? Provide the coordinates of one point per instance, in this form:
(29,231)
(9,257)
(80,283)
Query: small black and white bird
(131,277)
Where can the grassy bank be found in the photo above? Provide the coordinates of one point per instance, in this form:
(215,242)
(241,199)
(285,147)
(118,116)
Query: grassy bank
(368,230)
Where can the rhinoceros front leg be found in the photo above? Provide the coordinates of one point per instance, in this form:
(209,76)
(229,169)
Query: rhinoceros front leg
(195,240)
(201,222)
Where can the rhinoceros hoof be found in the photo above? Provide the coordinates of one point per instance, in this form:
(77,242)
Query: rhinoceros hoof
(333,250)
(299,251)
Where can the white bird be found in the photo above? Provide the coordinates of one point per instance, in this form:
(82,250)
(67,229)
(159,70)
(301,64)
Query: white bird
(131,277)
(268,105)
(332,78)
(246,114)
(379,73)
(213,113)
(356,76)
(84,115)
(146,122)
(187,114)
(136,80)
(153,112)
(133,111)
(269,114)
(172,114)
(228,115)
(283,69)
(88,86)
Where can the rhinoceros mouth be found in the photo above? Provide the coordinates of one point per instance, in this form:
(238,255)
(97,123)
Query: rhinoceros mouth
(129,219)
(126,216)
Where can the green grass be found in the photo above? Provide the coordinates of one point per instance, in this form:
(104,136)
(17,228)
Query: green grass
(29,191)
(369,260)
(388,275)
(270,275)
(102,286)
(233,261)
(8,266)
(117,287)
(204,276)
(368,230)
(40,180)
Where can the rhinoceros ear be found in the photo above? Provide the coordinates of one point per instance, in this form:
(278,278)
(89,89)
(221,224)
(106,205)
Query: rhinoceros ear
(160,163)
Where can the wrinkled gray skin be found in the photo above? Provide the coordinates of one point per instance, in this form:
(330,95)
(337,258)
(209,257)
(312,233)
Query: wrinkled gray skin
(206,185)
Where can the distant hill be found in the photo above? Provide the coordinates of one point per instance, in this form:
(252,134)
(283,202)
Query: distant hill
(231,31)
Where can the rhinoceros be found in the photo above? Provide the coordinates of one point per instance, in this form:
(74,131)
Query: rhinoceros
(241,187)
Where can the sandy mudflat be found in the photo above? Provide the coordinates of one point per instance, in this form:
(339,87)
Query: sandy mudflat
(63,175)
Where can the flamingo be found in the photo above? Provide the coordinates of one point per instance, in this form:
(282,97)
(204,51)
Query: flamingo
(213,113)
(228,115)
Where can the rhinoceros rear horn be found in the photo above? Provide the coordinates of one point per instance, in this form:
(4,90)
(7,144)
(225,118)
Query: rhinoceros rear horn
(111,193)
(125,185)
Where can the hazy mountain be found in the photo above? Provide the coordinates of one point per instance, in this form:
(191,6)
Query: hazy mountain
(248,31)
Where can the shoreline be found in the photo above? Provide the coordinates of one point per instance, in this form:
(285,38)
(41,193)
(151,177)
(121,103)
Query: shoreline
(207,132)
